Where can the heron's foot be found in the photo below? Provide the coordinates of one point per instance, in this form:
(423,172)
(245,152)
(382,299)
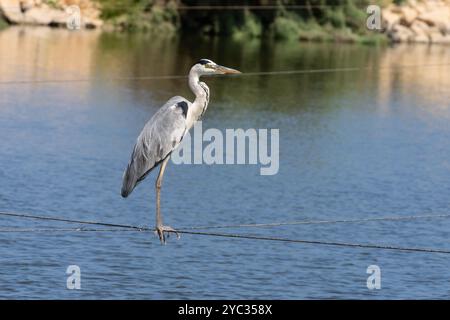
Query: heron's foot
(162,230)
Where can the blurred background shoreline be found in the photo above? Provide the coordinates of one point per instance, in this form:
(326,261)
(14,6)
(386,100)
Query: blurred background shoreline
(426,21)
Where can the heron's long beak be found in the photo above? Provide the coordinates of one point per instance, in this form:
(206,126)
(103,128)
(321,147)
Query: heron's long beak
(225,70)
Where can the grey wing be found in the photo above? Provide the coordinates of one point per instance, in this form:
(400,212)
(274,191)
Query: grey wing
(160,136)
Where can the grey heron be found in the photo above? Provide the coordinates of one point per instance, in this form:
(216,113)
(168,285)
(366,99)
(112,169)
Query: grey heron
(163,133)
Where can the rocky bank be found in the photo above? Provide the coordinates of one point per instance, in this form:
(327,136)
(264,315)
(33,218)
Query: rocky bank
(50,13)
(418,21)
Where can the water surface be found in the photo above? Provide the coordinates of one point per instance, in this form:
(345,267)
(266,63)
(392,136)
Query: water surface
(358,144)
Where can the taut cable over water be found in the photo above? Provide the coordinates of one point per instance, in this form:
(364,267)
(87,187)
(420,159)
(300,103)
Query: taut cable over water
(188,230)
(164,132)
(247,74)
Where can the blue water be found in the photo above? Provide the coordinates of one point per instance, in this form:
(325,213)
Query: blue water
(362,144)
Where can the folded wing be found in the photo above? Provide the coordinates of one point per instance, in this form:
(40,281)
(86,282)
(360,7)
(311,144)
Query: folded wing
(160,136)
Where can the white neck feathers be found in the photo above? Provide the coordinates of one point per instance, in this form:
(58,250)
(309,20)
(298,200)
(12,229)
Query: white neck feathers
(201,91)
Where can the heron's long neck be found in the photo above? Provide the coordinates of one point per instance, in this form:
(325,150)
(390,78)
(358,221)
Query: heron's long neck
(201,92)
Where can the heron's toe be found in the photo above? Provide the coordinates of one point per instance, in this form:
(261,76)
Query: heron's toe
(162,230)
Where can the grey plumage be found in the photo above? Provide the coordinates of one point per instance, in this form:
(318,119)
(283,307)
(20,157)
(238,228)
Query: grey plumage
(163,133)
(160,136)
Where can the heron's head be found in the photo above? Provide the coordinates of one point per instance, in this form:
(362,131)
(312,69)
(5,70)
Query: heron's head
(207,67)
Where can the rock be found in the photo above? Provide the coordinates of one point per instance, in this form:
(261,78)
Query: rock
(438,37)
(419,27)
(418,21)
(408,15)
(390,19)
(420,38)
(421,8)
(395,9)
(36,12)
(438,18)
(44,16)
(401,33)
(11,10)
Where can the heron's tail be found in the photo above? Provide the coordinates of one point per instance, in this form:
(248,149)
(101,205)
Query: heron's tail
(129,181)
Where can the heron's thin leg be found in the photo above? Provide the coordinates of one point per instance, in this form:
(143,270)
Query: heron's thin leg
(160,228)
(158,185)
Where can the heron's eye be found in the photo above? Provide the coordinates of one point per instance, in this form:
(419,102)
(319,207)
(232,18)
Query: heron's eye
(210,66)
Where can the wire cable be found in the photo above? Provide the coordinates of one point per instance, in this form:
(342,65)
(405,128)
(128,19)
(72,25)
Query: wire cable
(262,73)
(48,218)
(123,227)
(328,243)
(246,225)
(216,7)
(230,235)
(307,222)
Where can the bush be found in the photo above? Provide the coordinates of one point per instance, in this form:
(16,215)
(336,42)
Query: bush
(355,18)
(313,31)
(341,20)
(141,15)
(335,16)
(286,26)
(251,27)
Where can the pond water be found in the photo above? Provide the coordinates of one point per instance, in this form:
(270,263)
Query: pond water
(354,144)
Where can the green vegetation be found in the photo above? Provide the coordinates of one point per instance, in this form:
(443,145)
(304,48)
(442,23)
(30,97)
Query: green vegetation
(141,15)
(3,23)
(52,3)
(344,22)
(251,27)
(311,20)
